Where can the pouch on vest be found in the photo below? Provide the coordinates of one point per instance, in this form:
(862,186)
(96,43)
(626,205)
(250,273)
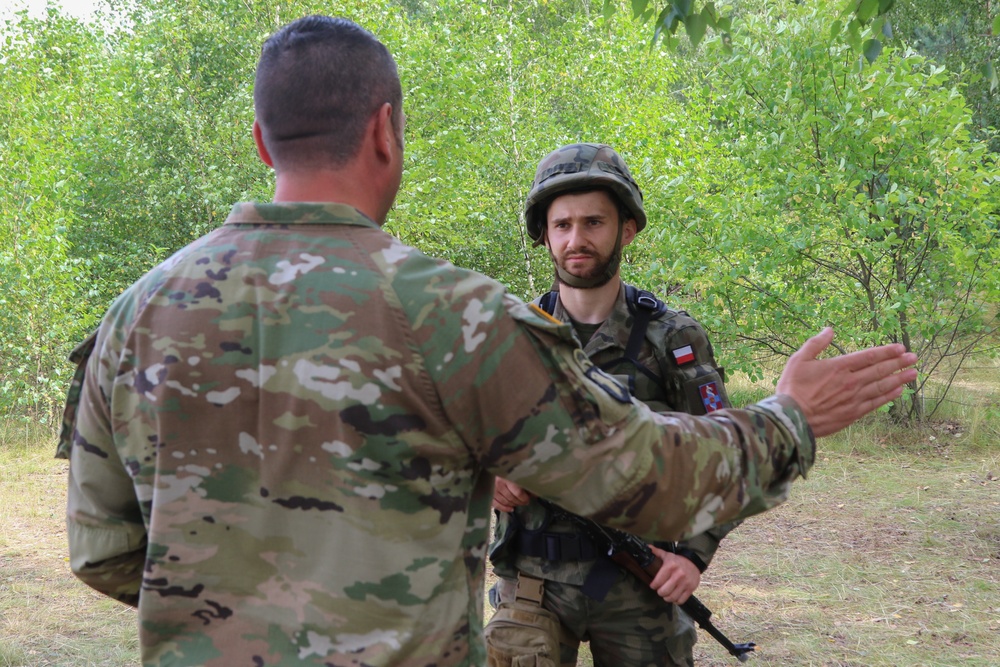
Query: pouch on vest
(522,633)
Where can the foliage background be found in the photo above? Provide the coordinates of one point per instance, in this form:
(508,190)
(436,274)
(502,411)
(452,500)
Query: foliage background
(791,181)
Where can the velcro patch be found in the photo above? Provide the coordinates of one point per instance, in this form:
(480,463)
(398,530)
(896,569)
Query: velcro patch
(684,355)
(710,396)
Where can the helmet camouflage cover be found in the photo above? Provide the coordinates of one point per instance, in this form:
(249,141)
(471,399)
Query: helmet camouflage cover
(577,167)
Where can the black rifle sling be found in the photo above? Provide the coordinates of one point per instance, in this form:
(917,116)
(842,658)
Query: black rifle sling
(644,307)
(548,302)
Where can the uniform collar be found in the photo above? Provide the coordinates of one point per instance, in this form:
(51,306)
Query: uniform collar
(611,333)
(297,213)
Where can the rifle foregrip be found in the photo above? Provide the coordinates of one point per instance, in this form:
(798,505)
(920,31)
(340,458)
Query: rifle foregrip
(643,574)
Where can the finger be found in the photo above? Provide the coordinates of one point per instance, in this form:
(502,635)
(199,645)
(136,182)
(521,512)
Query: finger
(502,507)
(885,368)
(662,577)
(892,393)
(875,383)
(675,596)
(813,347)
(672,585)
(890,382)
(872,356)
(666,591)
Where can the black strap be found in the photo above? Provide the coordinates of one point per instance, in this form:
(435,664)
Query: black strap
(644,307)
(556,546)
(641,315)
(548,302)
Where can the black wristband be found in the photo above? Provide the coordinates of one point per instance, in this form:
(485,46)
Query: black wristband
(693,557)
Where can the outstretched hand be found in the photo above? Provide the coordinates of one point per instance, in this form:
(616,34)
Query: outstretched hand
(834,393)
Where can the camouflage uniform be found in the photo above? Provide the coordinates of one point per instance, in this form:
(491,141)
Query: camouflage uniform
(287,433)
(631,625)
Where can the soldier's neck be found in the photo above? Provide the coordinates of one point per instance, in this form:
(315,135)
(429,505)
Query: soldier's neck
(590,306)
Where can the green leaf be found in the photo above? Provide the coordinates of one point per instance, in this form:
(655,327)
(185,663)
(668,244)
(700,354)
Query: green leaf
(682,7)
(609,10)
(872,49)
(835,28)
(996,25)
(661,23)
(695,26)
(638,7)
(867,9)
(854,34)
(709,13)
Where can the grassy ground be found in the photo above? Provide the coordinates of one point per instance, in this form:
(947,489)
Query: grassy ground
(888,555)
(892,560)
(46,616)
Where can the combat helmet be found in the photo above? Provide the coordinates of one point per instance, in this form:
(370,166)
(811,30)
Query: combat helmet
(576,167)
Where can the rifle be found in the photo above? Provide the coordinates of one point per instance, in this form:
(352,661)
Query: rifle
(634,555)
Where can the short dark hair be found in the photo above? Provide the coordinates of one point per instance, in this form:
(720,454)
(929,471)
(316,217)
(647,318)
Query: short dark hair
(319,80)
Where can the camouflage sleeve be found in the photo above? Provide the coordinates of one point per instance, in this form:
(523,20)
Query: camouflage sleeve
(536,411)
(701,548)
(107,536)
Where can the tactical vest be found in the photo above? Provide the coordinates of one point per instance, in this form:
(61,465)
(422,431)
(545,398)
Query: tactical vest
(680,368)
(645,307)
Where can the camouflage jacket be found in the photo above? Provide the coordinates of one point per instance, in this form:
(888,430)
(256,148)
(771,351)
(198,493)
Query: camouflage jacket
(676,349)
(287,433)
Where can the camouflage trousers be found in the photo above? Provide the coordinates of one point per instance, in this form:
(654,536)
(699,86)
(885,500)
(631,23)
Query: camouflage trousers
(632,627)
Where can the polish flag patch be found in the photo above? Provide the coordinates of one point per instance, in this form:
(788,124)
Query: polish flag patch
(684,355)
(710,396)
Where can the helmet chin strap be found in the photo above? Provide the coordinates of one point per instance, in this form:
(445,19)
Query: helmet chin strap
(596,281)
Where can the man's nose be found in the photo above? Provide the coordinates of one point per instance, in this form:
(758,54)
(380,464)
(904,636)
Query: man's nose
(576,239)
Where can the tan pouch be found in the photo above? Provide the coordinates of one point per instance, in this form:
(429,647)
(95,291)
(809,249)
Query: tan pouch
(522,633)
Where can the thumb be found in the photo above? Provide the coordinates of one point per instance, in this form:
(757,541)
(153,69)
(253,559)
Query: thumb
(813,347)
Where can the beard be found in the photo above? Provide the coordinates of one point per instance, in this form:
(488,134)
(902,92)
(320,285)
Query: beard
(597,275)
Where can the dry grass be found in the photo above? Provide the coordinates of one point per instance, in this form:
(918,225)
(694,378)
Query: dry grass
(889,562)
(46,616)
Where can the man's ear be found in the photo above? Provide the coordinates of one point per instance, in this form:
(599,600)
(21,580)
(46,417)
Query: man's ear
(258,138)
(628,231)
(384,132)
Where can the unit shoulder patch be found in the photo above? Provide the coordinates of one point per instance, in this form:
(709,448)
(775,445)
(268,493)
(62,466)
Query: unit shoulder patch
(710,396)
